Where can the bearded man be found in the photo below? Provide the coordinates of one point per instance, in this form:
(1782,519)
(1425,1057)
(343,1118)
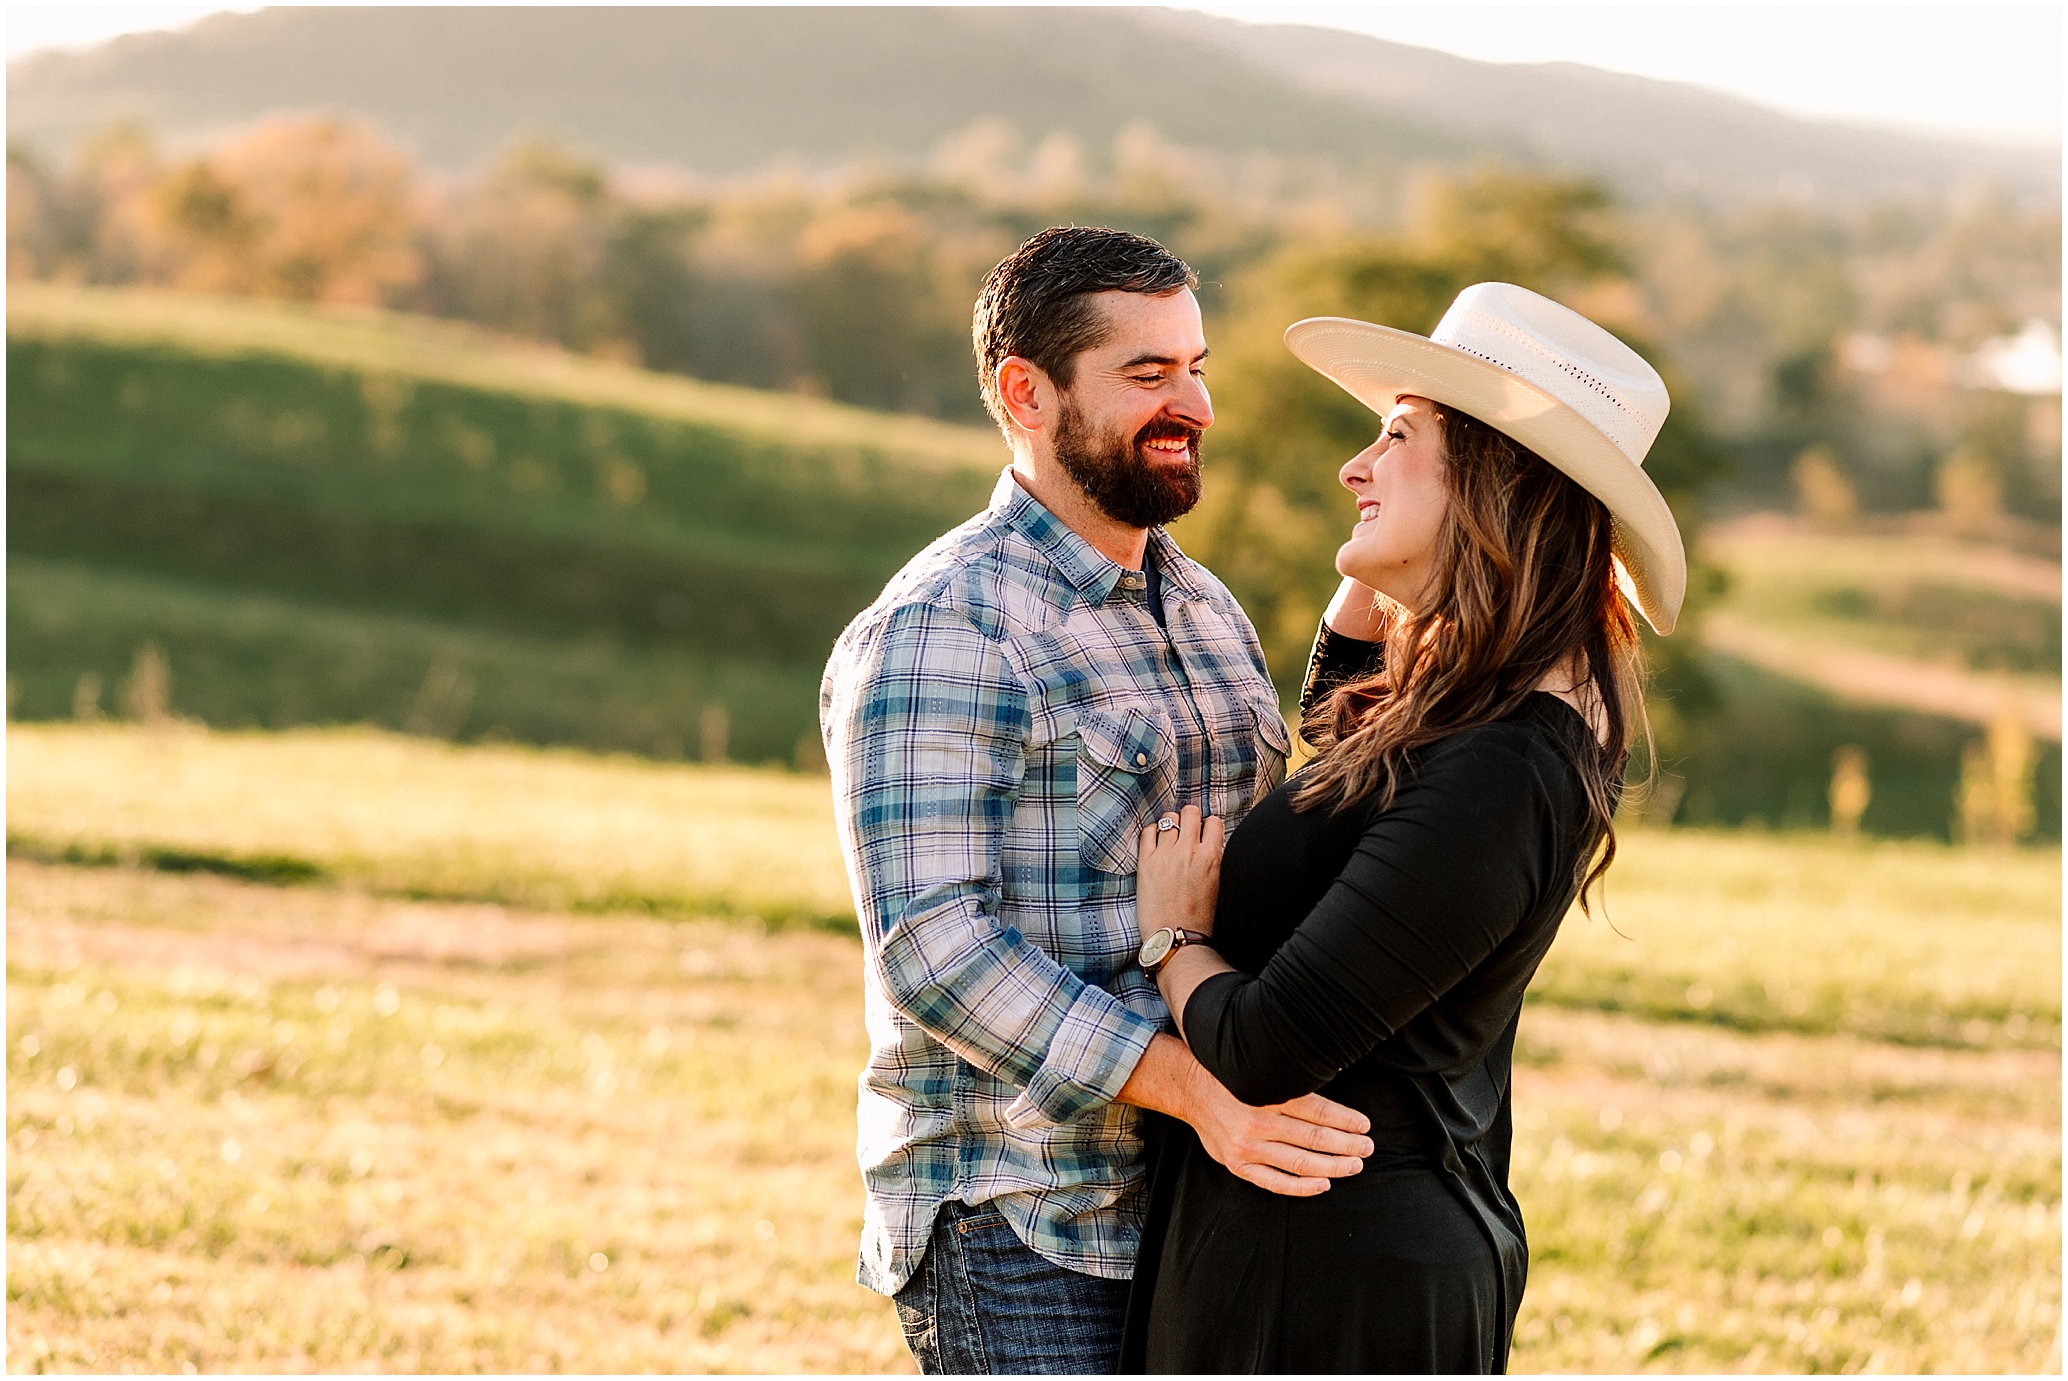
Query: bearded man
(1023,699)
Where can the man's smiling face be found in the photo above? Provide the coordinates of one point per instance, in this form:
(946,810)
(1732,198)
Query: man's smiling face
(1135,407)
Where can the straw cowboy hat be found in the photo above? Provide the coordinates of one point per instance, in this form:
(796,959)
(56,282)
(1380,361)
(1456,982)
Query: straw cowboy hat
(1550,379)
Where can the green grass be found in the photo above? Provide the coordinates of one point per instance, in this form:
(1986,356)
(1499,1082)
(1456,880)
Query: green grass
(1935,598)
(1902,941)
(314,1128)
(1763,756)
(420,818)
(1856,612)
(1913,942)
(251,1129)
(1802,1113)
(1707,1201)
(202,457)
(390,345)
(246,659)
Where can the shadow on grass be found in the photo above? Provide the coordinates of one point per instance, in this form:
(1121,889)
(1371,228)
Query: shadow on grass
(286,870)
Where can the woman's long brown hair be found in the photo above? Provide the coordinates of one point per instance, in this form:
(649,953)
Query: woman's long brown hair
(1524,584)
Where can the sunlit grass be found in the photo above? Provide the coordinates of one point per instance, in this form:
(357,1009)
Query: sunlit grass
(290,1130)
(1705,1201)
(417,817)
(1906,941)
(1910,941)
(1802,1113)
(1935,598)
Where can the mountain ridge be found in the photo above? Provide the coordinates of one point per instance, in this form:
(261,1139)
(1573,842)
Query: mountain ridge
(721,91)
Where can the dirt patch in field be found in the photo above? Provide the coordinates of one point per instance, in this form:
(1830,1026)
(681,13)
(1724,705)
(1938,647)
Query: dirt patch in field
(1562,1049)
(59,917)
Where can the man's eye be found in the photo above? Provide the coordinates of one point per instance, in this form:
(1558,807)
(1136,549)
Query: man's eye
(1148,378)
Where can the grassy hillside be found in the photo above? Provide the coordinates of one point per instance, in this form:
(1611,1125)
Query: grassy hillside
(1904,645)
(321,517)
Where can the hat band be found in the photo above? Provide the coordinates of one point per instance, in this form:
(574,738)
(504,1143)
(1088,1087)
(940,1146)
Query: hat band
(1629,430)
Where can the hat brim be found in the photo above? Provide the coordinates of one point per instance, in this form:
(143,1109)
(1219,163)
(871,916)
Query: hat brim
(1379,365)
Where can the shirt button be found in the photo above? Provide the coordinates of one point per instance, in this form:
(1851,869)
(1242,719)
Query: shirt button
(1141,760)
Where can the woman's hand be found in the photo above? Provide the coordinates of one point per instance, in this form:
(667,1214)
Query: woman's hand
(1178,876)
(1355,612)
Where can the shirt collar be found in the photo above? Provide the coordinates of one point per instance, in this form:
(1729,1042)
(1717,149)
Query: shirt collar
(1174,566)
(1092,575)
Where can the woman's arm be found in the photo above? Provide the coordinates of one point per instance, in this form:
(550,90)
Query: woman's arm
(1295,1147)
(1355,612)
(1177,882)
(1433,888)
(1347,646)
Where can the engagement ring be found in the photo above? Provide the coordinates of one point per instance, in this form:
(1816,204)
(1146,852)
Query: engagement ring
(1168,822)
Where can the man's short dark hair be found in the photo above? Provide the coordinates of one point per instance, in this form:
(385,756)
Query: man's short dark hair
(1037,303)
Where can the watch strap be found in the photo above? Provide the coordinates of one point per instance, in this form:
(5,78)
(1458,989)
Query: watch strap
(1180,937)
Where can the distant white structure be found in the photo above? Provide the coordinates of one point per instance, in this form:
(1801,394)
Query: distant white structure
(2028,362)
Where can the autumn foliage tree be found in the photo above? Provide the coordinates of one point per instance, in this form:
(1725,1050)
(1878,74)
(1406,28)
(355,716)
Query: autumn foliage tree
(313,209)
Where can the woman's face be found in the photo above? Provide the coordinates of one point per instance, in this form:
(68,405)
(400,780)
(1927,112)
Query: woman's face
(1402,498)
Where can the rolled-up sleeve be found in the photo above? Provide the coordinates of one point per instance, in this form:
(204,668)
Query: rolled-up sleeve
(926,728)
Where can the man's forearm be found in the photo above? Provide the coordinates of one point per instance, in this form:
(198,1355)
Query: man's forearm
(1295,1148)
(1166,1079)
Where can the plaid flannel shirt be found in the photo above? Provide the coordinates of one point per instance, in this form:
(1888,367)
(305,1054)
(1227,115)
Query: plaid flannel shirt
(1001,725)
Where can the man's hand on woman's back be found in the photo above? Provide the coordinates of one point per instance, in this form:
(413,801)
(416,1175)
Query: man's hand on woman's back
(1293,1148)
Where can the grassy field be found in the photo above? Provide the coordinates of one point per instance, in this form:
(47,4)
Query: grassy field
(177,465)
(247,659)
(1798,1110)
(1904,645)
(1923,597)
(422,819)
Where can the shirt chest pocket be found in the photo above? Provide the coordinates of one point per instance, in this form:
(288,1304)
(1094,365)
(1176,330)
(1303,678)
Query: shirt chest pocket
(1126,776)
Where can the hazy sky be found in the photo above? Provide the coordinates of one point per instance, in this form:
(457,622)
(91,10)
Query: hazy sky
(1988,70)
(1973,69)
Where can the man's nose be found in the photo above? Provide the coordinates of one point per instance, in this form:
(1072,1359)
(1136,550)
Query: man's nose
(1193,407)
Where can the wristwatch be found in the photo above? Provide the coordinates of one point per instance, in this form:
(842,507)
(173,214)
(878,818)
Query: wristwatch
(1162,944)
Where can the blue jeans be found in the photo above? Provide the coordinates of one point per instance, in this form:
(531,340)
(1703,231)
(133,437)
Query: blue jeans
(984,1303)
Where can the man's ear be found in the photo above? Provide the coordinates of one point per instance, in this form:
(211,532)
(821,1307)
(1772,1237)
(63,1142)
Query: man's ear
(1028,394)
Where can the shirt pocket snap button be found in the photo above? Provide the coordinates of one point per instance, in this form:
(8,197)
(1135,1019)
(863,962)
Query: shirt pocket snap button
(1126,769)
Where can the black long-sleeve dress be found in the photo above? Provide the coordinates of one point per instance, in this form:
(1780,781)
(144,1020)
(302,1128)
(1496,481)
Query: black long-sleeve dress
(1381,958)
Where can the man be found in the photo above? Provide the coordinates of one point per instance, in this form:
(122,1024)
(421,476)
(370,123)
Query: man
(1027,695)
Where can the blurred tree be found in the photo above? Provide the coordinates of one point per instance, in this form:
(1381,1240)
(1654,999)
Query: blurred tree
(650,289)
(90,221)
(1851,791)
(1274,511)
(874,329)
(1993,805)
(315,209)
(1969,487)
(31,220)
(522,248)
(1823,494)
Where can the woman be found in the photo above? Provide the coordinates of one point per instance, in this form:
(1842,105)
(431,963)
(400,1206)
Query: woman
(1372,925)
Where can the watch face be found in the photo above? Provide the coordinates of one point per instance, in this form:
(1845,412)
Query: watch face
(1156,948)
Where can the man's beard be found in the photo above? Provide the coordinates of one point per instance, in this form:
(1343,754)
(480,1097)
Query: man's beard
(1125,484)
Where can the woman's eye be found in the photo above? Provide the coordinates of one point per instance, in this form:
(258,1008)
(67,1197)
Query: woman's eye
(1394,435)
